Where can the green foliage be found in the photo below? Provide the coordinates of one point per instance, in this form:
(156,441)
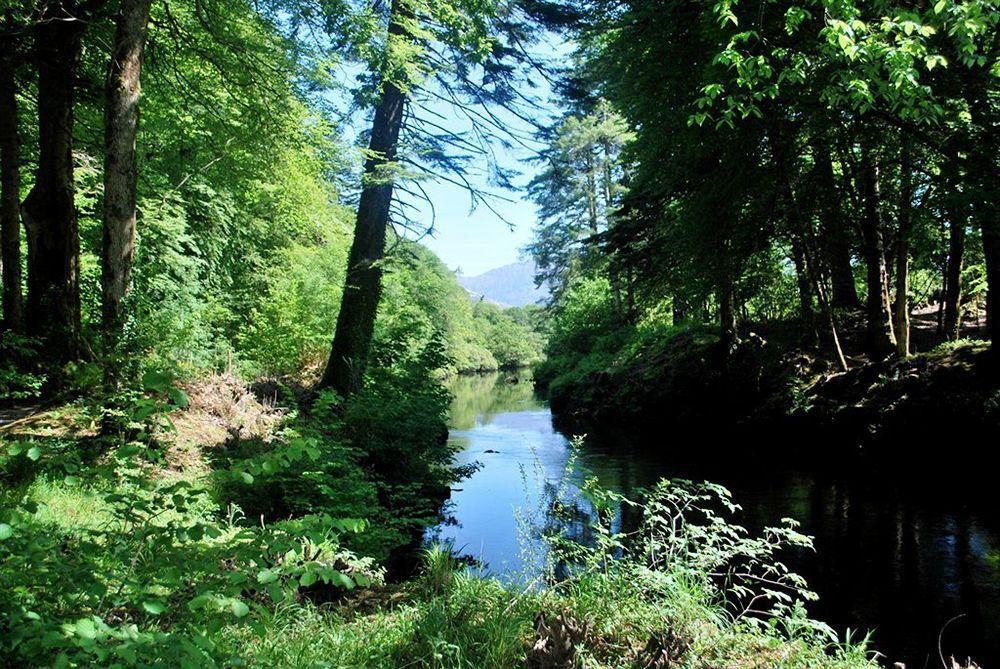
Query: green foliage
(19,377)
(145,570)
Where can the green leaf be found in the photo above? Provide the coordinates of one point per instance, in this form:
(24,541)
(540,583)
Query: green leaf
(939,7)
(307,579)
(156,380)
(34,453)
(85,628)
(239,608)
(154,606)
(267,576)
(178,397)
(6,531)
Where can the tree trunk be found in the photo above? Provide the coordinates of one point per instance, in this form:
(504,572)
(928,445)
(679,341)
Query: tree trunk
(53,305)
(824,302)
(728,333)
(836,242)
(10,187)
(591,195)
(982,178)
(903,252)
(957,220)
(880,340)
(121,123)
(363,287)
(804,285)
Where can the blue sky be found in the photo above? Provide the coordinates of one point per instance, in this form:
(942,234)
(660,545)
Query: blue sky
(480,240)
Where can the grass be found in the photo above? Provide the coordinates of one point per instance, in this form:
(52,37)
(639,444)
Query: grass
(478,623)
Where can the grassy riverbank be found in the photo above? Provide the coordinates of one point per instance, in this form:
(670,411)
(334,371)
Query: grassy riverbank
(651,375)
(240,534)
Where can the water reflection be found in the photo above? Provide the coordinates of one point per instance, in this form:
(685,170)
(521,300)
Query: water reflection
(898,552)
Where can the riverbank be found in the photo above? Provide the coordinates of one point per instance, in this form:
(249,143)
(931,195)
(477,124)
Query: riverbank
(678,378)
(229,533)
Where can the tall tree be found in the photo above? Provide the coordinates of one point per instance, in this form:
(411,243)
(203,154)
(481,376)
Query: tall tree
(460,53)
(121,122)
(50,216)
(905,209)
(956,209)
(835,232)
(880,340)
(362,289)
(10,179)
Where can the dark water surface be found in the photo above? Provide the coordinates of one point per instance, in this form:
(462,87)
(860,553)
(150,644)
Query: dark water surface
(899,553)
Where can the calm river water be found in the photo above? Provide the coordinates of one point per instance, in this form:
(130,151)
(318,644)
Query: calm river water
(897,554)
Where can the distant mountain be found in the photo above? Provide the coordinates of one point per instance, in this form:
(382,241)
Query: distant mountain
(510,286)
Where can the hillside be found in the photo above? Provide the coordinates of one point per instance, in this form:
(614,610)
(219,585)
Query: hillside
(510,285)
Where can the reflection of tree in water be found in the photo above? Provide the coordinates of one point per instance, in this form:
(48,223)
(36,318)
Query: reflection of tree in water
(479,397)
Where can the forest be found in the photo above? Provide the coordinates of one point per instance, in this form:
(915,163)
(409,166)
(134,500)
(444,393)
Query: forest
(250,417)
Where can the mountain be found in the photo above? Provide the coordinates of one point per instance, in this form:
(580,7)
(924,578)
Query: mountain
(510,286)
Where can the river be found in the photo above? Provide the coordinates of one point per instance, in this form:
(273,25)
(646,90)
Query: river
(897,554)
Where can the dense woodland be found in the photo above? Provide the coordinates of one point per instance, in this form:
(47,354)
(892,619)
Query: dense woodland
(820,175)
(224,428)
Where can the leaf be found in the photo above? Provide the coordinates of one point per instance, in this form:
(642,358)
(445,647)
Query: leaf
(6,531)
(154,606)
(85,628)
(307,579)
(178,397)
(34,453)
(156,380)
(239,608)
(267,576)
(939,7)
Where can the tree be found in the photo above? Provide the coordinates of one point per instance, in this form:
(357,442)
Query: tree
(10,178)
(577,194)
(50,217)
(451,53)
(362,288)
(121,122)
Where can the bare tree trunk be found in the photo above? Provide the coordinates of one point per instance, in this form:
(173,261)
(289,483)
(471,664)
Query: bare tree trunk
(363,287)
(903,252)
(982,161)
(804,285)
(121,123)
(957,220)
(880,338)
(10,185)
(836,242)
(614,275)
(727,317)
(726,294)
(591,195)
(53,306)
(827,308)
